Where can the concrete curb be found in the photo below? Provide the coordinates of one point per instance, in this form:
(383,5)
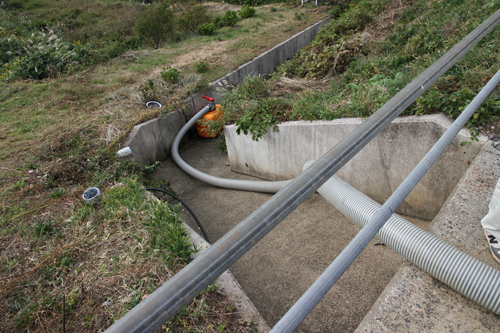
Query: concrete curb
(414,301)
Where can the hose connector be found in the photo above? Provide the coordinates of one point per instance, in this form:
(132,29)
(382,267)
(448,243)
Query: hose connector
(211,103)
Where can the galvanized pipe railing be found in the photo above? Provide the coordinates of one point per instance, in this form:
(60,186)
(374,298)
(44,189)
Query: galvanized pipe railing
(167,300)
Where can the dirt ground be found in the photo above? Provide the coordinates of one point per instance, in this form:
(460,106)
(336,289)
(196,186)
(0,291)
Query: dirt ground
(279,269)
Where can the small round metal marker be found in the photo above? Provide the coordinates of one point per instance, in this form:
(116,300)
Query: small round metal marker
(153,104)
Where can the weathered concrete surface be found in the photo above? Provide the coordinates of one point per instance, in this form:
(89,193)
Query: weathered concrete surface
(267,62)
(377,170)
(416,302)
(282,266)
(151,141)
(232,288)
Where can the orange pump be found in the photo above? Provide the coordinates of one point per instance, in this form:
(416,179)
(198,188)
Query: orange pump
(206,127)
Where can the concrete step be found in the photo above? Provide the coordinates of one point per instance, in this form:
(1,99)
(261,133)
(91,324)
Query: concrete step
(414,301)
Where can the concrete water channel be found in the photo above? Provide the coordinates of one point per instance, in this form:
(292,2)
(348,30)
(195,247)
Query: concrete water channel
(279,269)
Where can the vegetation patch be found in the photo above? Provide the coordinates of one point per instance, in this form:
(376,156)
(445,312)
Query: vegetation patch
(371,51)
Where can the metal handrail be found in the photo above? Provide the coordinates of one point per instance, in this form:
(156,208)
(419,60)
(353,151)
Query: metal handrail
(330,276)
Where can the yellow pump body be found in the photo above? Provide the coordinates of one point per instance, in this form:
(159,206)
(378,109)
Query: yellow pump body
(203,126)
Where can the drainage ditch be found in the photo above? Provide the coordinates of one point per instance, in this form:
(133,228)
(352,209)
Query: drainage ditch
(278,270)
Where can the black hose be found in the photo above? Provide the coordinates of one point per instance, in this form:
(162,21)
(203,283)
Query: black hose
(182,202)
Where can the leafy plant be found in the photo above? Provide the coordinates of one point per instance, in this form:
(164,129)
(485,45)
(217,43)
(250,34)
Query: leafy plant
(192,17)
(170,75)
(335,11)
(246,11)
(200,67)
(229,19)
(206,29)
(149,90)
(57,192)
(45,228)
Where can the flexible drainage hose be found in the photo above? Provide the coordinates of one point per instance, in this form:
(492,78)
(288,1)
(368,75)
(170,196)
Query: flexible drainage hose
(468,276)
(234,184)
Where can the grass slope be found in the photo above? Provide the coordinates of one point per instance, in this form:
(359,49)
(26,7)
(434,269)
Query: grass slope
(59,135)
(371,52)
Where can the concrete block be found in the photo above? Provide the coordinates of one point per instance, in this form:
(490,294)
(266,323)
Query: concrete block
(377,170)
(151,141)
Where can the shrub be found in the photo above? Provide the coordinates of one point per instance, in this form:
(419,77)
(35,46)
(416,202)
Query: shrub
(156,24)
(170,75)
(206,29)
(272,10)
(192,17)
(229,19)
(247,11)
(200,67)
(335,12)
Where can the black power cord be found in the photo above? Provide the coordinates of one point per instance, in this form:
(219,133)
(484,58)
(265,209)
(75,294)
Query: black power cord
(182,202)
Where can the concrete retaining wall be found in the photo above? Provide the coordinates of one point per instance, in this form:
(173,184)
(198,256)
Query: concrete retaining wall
(377,170)
(151,141)
(267,62)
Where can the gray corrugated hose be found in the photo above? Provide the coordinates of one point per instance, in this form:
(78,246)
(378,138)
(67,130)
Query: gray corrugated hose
(234,184)
(453,267)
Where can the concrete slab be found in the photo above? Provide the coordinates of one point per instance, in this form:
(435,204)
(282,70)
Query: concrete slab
(279,269)
(377,170)
(416,302)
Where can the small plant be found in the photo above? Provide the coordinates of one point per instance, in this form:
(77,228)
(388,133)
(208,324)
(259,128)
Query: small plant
(273,10)
(20,184)
(200,67)
(298,16)
(247,11)
(206,29)
(149,90)
(335,12)
(57,192)
(230,19)
(192,17)
(43,228)
(170,75)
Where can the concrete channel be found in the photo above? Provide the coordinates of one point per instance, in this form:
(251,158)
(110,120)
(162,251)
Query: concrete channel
(381,291)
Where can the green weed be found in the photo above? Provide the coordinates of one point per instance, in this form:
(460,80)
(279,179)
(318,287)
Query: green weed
(57,192)
(200,67)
